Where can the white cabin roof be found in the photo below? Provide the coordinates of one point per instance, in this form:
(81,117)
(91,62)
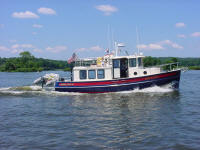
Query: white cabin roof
(91,67)
(111,57)
(128,57)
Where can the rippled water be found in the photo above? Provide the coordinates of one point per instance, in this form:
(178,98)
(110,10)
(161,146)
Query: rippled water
(154,118)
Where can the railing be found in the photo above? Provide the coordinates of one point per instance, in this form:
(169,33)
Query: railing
(173,66)
(170,67)
(85,62)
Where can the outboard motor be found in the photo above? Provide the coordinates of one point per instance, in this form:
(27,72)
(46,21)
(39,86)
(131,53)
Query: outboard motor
(47,79)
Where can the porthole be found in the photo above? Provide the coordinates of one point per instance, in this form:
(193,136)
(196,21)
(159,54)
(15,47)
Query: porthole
(145,72)
(135,73)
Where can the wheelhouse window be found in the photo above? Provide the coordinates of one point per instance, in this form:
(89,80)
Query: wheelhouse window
(116,63)
(100,74)
(140,62)
(83,74)
(91,74)
(132,62)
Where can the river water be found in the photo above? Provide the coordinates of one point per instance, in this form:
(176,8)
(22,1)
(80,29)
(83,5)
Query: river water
(154,118)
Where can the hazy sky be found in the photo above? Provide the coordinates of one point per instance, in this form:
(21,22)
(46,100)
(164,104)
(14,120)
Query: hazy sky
(56,28)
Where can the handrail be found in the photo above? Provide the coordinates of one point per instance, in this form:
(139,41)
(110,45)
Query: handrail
(169,64)
(163,65)
(171,67)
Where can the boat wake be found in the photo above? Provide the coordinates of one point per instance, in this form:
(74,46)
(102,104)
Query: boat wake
(32,90)
(153,89)
(38,91)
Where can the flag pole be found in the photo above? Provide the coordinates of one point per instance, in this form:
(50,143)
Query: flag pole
(71,70)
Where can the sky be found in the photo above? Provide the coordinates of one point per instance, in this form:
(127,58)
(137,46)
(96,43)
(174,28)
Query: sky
(54,29)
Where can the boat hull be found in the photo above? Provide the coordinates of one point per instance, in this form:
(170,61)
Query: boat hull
(117,85)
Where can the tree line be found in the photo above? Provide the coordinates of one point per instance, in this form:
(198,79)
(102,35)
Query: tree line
(26,62)
(191,63)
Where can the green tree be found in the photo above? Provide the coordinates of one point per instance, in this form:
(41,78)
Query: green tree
(26,54)
(174,59)
(150,61)
(10,66)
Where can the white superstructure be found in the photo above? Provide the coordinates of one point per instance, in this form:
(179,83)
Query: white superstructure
(111,67)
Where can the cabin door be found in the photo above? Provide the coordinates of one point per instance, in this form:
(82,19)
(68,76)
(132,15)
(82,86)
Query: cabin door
(120,68)
(124,68)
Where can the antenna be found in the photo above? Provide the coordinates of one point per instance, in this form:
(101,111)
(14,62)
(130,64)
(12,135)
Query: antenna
(137,41)
(113,43)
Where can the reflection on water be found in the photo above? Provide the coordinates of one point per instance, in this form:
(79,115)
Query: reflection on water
(126,118)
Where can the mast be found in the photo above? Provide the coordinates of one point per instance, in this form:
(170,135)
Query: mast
(113,42)
(137,41)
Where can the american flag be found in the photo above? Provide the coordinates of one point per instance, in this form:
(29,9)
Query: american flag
(72,59)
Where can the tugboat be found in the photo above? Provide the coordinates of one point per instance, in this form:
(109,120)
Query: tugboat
(114,73)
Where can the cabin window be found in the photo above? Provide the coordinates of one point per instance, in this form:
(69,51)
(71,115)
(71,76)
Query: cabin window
(145,72)
(116,63)
(100,74)
(139,62)
(132,62)
(135,73)
(83,74)
(91,74)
